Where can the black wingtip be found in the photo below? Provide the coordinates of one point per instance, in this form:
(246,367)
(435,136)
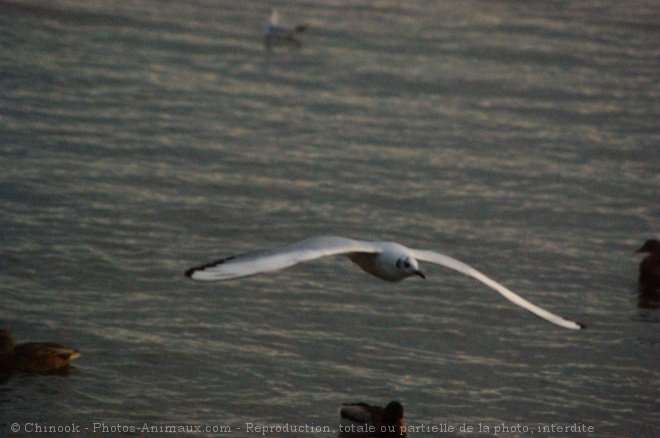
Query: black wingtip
(190,272)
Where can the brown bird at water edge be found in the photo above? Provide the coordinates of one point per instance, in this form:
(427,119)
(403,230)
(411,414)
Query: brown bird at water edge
(649,275)
(363,420)
(649,268)
(33,357)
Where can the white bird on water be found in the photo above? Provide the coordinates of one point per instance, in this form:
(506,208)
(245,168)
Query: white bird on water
(277,33)
(388,261)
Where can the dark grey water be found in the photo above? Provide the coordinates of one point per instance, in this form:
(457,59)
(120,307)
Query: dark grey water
(140,138)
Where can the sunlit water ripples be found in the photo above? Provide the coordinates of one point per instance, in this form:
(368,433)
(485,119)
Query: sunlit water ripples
(142,138)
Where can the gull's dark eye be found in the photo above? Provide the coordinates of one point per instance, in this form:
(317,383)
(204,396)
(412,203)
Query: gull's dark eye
(406,264)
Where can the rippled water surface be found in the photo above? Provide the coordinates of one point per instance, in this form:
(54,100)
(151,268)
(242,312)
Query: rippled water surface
(142,137)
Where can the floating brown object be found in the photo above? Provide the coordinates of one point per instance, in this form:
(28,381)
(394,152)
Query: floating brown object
(33,357)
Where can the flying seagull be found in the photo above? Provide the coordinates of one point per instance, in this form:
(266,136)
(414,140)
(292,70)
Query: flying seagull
(277,33)
(389,261)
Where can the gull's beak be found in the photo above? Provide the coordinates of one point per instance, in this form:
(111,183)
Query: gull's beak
(420,273)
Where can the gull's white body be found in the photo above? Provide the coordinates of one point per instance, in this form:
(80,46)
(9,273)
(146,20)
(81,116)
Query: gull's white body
(388,261)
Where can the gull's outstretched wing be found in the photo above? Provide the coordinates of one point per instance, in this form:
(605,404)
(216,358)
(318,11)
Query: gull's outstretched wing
(256,262)
(456,265)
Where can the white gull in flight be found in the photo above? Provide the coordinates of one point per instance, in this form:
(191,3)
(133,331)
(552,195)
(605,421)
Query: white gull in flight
(277,33)
(388,261)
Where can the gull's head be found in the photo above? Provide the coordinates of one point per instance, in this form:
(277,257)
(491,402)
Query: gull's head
(408,267)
